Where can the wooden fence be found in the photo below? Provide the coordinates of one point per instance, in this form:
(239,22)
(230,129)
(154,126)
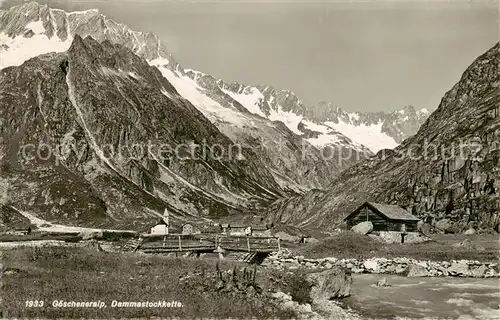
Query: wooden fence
(201,242)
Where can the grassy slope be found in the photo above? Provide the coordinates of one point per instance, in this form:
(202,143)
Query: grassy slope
(350,245)
(81,275)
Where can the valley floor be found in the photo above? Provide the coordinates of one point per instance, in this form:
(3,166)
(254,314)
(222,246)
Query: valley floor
(345,244)
(78,274)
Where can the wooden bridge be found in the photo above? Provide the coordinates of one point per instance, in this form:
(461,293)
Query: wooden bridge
(256,247)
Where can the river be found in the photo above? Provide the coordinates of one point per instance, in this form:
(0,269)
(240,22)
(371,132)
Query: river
(430,297)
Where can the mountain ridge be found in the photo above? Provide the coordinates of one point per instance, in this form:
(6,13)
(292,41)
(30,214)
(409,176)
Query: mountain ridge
(387,129)
(96,96)
(448,171)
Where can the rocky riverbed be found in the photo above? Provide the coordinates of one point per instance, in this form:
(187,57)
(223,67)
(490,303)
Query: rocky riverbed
(398,266)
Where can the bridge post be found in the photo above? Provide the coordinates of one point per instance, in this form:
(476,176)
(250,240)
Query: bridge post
(248,244)
(180,246)
(279,246)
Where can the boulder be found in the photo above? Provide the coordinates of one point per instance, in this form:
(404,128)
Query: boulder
(458,269)
(371,265)
(470,231)
(480,271)
(330,284)
(363,227)
(425,228)
(390,269)
(383,283)
(444,225)
(400,270)
(420,224)
(415,270)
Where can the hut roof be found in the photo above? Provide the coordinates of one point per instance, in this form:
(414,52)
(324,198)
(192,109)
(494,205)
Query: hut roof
(161,221)
(390,211)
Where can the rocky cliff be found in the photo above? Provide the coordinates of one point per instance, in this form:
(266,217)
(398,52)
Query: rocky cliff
(97,136)
(448,172)
(295,161)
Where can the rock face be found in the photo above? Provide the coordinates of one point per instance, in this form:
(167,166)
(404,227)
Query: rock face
(363,227)
(96,136)
(449,170)
(294,161)
(330,284)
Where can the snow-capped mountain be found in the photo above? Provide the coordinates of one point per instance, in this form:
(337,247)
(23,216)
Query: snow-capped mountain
(32,29)
(286,149)
(80,79)
(377,130)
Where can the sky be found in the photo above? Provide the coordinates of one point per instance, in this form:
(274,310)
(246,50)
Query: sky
(360,55)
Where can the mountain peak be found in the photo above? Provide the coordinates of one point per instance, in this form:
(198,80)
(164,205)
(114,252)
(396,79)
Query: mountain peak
(31,25)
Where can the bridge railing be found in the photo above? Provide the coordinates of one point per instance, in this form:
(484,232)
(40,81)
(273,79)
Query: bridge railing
(178,242)
(237,243)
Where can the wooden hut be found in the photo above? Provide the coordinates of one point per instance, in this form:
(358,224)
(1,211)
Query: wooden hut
(384,217)
(20,229)
(189,228)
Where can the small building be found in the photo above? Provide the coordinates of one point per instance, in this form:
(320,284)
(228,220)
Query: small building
(236,229)
(189,228)
(260,231)
(384,217)
(160,227)
(20,230)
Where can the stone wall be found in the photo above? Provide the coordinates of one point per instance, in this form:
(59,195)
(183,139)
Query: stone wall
(402,266)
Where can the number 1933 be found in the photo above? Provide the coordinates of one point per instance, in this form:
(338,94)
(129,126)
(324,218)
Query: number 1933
(34,303)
